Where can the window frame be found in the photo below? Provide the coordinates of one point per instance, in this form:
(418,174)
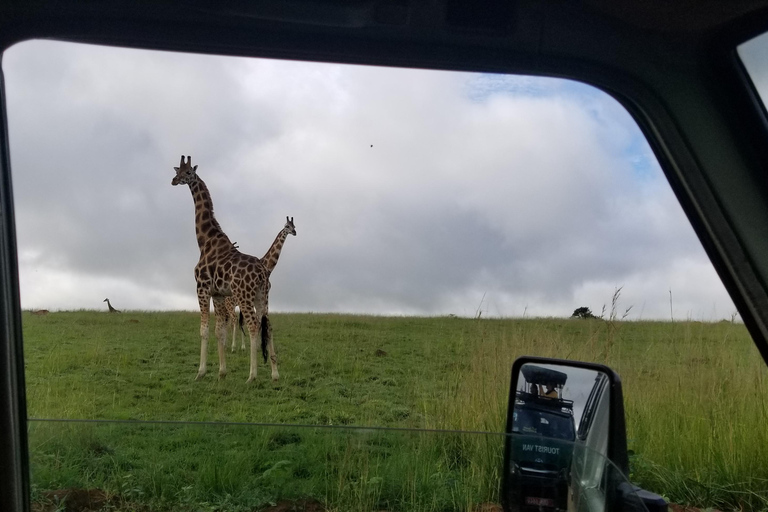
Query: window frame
(685,88)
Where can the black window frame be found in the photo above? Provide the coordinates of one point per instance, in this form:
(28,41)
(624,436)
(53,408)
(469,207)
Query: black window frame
(682,81)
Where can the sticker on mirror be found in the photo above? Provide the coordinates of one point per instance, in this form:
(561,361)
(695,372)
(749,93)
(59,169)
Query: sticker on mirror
(541,449)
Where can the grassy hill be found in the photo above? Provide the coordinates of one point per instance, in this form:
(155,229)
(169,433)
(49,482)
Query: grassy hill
(696,399)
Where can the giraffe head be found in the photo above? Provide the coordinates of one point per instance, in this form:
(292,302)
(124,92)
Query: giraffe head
(289,226)
(185,173)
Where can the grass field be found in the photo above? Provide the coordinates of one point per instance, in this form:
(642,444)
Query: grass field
(696,397)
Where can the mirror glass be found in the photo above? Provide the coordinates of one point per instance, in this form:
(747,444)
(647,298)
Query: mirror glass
(558,445)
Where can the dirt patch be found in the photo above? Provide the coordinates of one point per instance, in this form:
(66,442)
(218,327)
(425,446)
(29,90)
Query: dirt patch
(488,507)
(82,500)
(379,353)
(684,508)
(72,500)
(306,505)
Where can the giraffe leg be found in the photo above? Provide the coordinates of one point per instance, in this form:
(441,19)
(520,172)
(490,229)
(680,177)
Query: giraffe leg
(234,334)
(220,309)
(204,299)
(242,336)
(226,321)
(254,331)
(231,318)
(270,343)
(271,348)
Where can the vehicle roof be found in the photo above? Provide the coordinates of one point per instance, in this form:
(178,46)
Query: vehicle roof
(673,65)
(539,375)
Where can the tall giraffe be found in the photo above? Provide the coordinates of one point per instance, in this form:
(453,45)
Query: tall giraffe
(269,260)
(111,309)
(206,225)
(223,271)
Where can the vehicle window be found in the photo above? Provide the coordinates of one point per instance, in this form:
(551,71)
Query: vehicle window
(412,233)
(595,442)
(545,423)
(754,55)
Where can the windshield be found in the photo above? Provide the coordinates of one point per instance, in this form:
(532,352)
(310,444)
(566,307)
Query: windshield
(404,236)
(544,423)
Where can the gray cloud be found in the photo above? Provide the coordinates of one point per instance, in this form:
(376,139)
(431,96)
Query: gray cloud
(413,192)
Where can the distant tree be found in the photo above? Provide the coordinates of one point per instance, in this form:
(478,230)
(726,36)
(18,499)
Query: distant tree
(582,312)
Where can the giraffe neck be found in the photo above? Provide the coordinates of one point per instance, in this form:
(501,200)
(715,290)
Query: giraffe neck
(270,258)
(206,225)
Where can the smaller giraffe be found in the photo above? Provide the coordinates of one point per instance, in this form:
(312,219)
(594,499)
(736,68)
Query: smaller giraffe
(232,317)
(269,260)
(111,309)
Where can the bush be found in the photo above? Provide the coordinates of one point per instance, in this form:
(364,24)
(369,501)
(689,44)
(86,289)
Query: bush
(582,312)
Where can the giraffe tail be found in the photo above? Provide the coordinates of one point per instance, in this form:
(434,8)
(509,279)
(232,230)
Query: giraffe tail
(264,336)
(240,322)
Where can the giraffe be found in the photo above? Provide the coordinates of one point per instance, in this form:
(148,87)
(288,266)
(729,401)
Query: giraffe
(269,260)
(224,271)
(111,309)
(206,225)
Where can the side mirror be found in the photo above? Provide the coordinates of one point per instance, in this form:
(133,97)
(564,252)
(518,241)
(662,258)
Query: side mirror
(566,444)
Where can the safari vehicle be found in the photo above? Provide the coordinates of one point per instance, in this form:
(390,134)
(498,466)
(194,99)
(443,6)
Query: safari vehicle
(675,66)
(547,433)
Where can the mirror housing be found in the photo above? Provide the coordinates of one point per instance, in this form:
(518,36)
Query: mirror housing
(566,442)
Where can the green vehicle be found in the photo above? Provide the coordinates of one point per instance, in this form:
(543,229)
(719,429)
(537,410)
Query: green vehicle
(543,447)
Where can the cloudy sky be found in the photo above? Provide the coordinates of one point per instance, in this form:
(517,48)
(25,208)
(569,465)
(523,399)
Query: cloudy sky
(413,192)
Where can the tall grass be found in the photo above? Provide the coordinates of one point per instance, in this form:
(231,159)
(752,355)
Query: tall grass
(695,398)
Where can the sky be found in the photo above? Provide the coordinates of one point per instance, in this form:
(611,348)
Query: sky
(413,192)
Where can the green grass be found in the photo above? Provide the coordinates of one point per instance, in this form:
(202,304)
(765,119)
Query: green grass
(695,394)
